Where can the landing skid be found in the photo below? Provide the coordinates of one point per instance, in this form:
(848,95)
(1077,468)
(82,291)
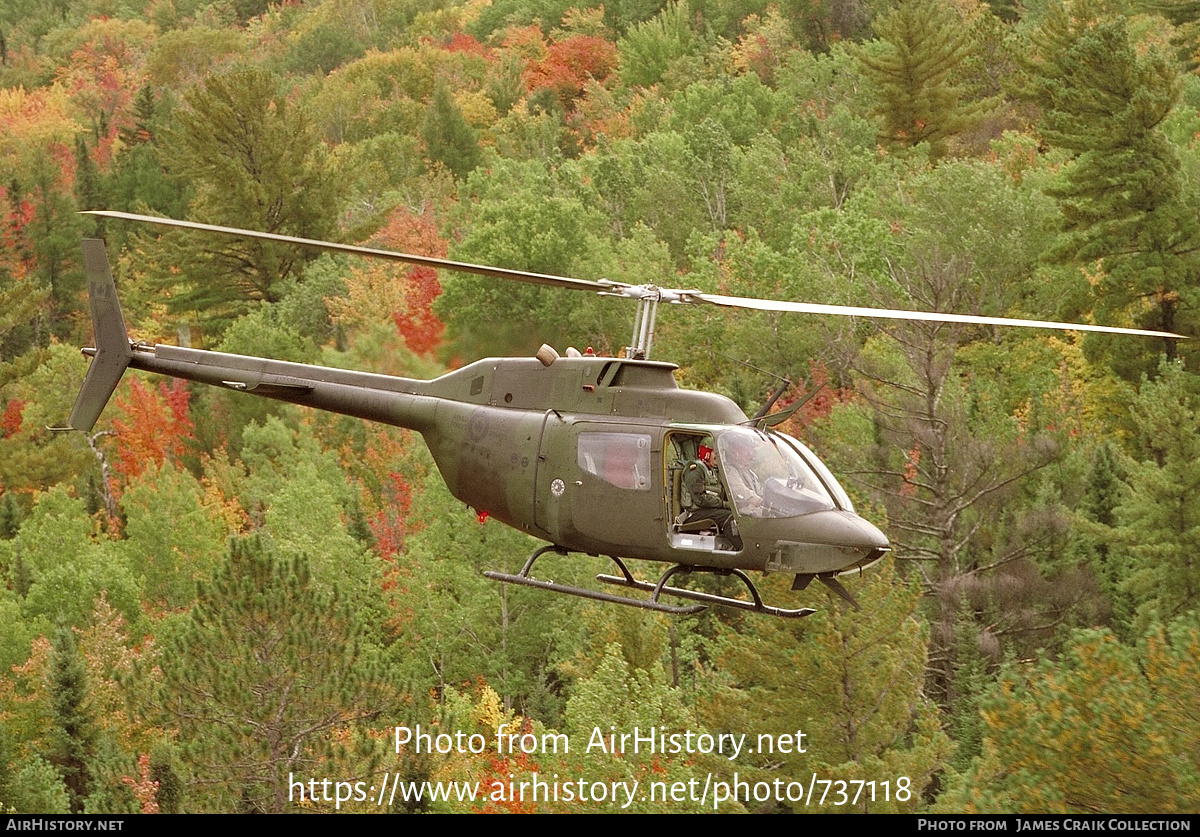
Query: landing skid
(755,606)
(626,579)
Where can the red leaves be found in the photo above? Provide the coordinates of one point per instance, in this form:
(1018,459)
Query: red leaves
(503,777)
(144,789)
(414,318)
(569,64)
(154,426)
(820,405)
(10,421)
(389,525)
(461,42)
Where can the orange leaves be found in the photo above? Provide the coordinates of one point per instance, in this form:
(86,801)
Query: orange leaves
(144,788)
(405,295)
(389,524)
(564,66)
(10,421)
(32,119)
(154,426)
(569,64)
(912,470)
(461,42)
(820,405)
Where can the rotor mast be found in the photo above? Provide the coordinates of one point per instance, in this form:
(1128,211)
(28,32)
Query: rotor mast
(643,324)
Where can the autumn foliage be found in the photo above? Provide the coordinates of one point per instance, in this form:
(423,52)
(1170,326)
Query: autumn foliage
(153,426)
(569,64)
(10,421)
(405,295)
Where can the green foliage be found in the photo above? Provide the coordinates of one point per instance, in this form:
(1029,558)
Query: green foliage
(1123,199)
(221,415)
(73,740)
(37,788)
(1160,519)
(921,45)
(1052,734)
(306,517)
(851,680)
(54,232)
(164,769)
(649,49)
(34,457)
(185,56)
(1094,541)
(616,695)
(138,182)
(829,143)
(721,155)
(67,570)
(521,219)
(171,537)
(742,108)
(15,636)
(21,302)
(449,140)
(460,625)
(261,681)
(256,161)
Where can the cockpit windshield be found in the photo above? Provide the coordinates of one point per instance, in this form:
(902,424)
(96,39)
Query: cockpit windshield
(772,475)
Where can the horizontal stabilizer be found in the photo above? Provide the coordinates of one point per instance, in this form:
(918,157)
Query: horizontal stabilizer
(112,352)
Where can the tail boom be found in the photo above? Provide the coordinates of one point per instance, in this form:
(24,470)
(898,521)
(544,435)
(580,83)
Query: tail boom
(397,401)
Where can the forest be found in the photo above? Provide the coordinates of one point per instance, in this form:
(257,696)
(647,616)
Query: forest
(216,603)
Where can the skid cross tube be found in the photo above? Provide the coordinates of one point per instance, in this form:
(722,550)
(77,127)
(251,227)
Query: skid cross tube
(525,580)
(756,606)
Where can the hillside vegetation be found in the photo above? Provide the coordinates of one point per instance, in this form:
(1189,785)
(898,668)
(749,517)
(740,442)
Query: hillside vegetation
(212,597)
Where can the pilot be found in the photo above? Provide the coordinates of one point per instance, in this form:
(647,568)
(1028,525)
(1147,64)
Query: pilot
(745,486)
(700,495)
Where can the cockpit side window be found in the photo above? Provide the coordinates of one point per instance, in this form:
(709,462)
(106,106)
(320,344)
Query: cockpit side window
(620,459)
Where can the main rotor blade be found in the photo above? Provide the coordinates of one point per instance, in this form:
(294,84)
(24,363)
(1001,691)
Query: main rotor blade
(424,261)
(919,316)
(621,289)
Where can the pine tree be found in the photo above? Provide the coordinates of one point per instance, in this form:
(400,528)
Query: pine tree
(852,681)
(1124,201)
(256,161)
(54,234)
(1160,522)
(270,671)
(1093,540)
(1107,729)
(448,138)
(921,44)
(73,740)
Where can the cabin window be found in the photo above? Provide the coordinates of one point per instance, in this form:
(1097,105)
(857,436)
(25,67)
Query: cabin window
(620,459)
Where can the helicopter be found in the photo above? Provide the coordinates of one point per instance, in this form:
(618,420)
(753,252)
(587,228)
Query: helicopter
(602,456)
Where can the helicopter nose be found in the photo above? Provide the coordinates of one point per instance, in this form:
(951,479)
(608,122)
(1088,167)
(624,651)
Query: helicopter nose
(828,542)
(844,529)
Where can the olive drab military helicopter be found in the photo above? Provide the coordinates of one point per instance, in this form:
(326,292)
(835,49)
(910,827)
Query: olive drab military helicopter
(604,456)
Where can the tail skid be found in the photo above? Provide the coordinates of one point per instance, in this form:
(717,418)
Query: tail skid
(112,352)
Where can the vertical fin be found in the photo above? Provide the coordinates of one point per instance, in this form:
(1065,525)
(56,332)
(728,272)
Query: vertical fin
(112,352)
